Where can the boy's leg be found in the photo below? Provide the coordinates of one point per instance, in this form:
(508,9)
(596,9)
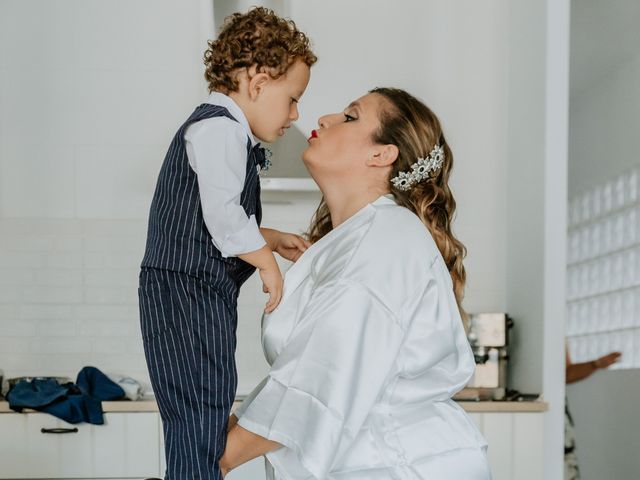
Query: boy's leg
(189,339)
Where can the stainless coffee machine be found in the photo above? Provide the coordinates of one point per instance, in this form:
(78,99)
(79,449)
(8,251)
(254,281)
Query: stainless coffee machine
(488,335)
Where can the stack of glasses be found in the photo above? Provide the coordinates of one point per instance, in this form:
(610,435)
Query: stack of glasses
(603,273)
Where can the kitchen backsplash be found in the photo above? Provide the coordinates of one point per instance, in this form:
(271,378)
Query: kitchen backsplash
(68,294)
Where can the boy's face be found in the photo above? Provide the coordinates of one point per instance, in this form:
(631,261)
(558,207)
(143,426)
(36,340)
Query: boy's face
(275,102)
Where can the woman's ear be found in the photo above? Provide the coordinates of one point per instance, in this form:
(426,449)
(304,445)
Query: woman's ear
(383,156)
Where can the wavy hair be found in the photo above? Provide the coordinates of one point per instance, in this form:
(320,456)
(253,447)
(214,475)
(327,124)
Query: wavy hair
(410,125)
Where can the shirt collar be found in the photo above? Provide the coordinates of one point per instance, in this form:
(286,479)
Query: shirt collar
(222,100)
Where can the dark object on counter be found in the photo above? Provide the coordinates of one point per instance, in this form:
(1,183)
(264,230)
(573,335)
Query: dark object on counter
(478,395)
(12,382)
(73,403)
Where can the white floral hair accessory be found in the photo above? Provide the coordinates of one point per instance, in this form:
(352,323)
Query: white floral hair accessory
(420,170)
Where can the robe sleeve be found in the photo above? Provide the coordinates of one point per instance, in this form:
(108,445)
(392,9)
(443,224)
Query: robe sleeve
(326,379)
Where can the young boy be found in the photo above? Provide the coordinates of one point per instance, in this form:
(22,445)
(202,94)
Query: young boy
(204,239)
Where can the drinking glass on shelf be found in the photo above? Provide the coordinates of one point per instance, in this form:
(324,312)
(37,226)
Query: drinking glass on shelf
(618,192)
(593,320)
(596,202)
(605,273)
(581,349)
(615,320)
(607,197)
(585,207)
(630,228)
(583,285)
(603,345)
(585,244)
(594,239)
(604,313)
(618,232)
(574,211)
(573,255)
(572,346)
(570,282)
(636,308)
(616,273)
(627,341)
(606,231)
(629,265)
(616,345)
(582,319)
(631,193)
(594,278)
(628,308)
(593,346)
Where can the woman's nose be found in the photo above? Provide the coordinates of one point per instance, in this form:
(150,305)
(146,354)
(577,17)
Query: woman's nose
(326,120)
(322,121)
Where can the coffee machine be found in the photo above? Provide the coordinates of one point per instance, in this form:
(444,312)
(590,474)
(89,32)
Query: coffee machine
(488,334)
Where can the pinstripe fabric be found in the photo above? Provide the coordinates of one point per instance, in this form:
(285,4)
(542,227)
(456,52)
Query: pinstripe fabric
(178,239)
(188,298)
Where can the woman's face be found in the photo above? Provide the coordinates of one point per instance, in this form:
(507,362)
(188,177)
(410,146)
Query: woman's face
(339,149)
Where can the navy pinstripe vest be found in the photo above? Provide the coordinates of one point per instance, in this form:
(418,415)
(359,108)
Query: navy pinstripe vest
(178,239)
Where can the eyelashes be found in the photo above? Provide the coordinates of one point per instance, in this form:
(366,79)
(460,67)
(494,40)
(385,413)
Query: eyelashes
(349,118)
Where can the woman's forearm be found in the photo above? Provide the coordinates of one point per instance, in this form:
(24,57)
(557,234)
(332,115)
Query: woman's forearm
(242,446)
(580,371)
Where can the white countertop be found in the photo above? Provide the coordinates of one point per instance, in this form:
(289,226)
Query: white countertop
(475,407)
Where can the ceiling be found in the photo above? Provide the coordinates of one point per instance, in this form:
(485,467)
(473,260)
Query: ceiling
(604,35)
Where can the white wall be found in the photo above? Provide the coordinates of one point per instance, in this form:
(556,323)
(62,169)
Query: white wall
(90,94)
(604,142)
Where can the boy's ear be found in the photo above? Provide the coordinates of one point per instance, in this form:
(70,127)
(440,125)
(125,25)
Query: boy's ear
(257,83)
(383,155)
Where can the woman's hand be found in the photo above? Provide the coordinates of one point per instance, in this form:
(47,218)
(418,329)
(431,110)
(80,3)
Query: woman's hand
(242,446)
(287,245)
(607,360)
(232,421)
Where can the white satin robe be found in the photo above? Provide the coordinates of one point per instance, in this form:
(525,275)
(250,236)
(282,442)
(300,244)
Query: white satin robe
(366,349)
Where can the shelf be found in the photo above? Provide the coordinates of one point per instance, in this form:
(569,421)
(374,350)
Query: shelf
(282,184)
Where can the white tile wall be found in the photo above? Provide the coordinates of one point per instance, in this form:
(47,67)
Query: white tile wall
(68,294)
(91,92)
(603,277)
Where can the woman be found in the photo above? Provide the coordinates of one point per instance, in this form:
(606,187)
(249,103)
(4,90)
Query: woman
(367,345)
(575,372)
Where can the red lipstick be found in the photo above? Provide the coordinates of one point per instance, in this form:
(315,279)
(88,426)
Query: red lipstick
(314,134)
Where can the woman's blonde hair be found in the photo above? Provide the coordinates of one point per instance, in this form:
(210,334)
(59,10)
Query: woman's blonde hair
(410,125)
(258,37)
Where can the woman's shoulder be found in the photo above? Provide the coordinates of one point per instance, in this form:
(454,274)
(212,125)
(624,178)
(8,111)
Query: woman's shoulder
(394,256)
(399,230)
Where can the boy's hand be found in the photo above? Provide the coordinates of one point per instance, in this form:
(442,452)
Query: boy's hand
(272,283)
(287,245)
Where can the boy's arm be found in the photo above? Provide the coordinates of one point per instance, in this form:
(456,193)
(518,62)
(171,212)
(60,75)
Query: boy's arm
(217,153)
(269,271)
(288,245)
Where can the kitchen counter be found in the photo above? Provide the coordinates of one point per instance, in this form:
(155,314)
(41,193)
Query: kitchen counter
(471,407)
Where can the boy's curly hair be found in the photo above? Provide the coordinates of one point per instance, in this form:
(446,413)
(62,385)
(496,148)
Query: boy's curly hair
(258,37)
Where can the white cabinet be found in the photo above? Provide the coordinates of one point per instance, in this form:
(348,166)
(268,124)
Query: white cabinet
(130,445)
(126,446)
